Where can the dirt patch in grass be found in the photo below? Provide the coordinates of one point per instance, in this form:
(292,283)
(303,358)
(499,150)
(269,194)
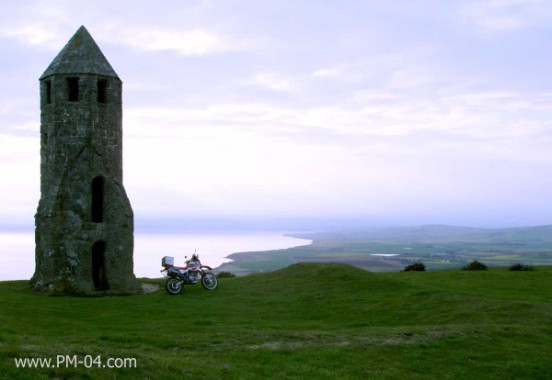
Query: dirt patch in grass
(149,288)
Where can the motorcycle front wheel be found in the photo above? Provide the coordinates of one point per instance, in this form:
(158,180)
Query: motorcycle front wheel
(209,281)
(174,286)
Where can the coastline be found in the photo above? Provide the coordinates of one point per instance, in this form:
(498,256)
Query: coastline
(393,248)
(17,262)
(249,262)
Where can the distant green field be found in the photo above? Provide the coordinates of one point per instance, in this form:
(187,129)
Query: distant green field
(438,247)
(307,321)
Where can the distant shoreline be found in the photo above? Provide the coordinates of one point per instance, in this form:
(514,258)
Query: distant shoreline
(239,258)
(393,248)
(149,248)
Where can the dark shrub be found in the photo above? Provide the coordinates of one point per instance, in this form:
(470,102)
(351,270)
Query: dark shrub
(416,267)
(516,267)
(475,265)
(225,274)
(521,267)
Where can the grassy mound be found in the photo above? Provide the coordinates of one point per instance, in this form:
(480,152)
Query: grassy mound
(307,320)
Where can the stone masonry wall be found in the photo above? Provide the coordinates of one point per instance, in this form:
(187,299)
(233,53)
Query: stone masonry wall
(80,141)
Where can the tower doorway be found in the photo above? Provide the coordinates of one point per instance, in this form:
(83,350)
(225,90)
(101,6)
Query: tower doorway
(98,266)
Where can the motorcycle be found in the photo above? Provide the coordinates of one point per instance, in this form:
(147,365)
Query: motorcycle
(190,274)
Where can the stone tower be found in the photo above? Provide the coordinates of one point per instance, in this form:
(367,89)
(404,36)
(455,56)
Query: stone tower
(84,222)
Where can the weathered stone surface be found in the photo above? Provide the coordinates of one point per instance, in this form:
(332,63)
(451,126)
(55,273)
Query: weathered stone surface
(84,223)
(81,55)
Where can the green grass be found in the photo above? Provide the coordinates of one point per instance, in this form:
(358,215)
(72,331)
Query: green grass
(305,321)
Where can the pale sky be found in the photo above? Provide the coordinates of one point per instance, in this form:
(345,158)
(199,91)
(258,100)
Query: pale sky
(392,112)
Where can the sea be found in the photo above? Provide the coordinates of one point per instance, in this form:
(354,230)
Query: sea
(17,257)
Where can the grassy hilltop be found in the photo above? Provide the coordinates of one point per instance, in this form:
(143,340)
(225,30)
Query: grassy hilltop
(305,321)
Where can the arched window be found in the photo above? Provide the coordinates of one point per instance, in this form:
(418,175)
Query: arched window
(98,185)
(98,266)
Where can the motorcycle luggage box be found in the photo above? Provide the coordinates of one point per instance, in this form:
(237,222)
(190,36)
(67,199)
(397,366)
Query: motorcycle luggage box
(167,261)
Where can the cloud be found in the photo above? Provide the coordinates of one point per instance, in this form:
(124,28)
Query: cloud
(273,81)
(325,72)
(494,16)
(415,114)
(30,34)
(410,77)
(51,25)
(481,116)
(20,169)
(37,24)
(185,42)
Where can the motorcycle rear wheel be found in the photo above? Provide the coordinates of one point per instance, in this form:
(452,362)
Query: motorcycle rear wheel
(209,281)
(174,286)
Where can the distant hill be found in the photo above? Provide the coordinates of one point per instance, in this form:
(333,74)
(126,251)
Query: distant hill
(442,233)
(392,248)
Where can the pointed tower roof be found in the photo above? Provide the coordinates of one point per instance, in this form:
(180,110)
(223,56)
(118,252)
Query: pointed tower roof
(81,55)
